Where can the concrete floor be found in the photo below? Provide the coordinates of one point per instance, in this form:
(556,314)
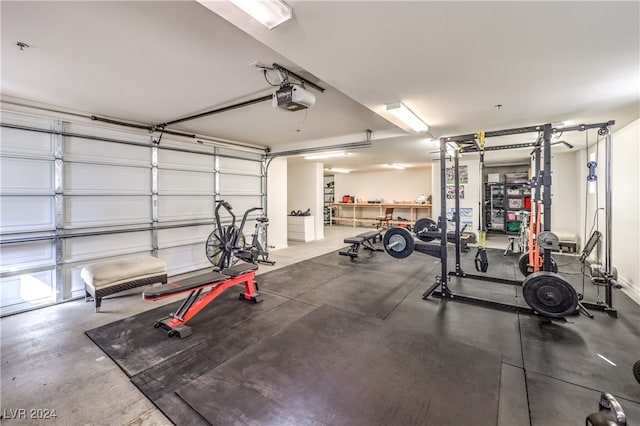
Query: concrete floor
(49,363)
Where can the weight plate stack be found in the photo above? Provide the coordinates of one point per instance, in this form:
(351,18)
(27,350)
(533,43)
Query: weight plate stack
(550,295)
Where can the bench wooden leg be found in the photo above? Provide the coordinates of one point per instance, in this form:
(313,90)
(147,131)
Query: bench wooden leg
(98,302)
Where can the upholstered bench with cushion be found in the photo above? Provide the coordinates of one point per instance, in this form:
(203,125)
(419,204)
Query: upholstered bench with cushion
(104,278)
(568,242)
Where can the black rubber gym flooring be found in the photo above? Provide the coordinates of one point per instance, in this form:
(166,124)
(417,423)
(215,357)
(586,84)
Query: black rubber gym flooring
(354,343)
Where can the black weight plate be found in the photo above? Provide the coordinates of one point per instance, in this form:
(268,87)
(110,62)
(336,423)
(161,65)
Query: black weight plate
(422,225)
(523,264)
(402,242)
(549,294)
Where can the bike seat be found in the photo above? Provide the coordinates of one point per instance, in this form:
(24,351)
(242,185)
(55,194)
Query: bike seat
(263,219)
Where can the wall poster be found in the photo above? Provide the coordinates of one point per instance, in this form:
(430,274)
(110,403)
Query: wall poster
(463,172)
(451,192)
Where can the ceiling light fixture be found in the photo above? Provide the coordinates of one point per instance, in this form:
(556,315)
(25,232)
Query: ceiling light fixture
(404,114)
(396,166)
(326,155)
(269,13)
(338,170)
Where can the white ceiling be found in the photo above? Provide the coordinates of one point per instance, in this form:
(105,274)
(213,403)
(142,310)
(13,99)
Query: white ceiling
(450,62)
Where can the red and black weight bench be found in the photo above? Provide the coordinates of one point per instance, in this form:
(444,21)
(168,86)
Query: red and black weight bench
(215,282)
(365,240)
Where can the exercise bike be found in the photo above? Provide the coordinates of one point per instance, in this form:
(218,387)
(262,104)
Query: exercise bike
(258,250)
(226,244)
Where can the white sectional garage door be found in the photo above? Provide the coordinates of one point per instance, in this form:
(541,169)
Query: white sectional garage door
(75,193)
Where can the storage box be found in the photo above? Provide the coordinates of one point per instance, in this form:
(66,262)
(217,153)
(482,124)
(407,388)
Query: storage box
(513,226)
(515,203)
(493,177)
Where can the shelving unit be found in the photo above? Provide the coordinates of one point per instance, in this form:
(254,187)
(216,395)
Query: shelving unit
(518,198)
(494,207)
(504,201)
(354,212)
(329,197)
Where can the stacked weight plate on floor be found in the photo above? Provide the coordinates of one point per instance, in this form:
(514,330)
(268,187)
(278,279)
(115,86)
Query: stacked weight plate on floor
(549,294)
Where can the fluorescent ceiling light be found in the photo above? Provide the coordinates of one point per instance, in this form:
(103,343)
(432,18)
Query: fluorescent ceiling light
(338,170)
(396,166)
(405,115)
(325,155)
(269,13)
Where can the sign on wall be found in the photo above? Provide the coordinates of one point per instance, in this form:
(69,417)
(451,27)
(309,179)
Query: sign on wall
(463,173)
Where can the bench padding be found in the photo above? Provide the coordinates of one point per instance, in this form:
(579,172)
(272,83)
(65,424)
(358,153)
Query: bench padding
(370,234)
(113,272)
(354,240)
(105,278)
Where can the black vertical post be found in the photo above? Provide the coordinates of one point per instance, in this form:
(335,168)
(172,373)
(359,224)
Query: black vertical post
(546,194)
(608,215)
(443,216)
(456,174)
(537,178)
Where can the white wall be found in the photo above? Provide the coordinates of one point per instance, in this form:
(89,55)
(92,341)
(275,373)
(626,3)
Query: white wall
(626,208)
(388,185)
(277,203)
(471,192)
(565,194)
(305,190)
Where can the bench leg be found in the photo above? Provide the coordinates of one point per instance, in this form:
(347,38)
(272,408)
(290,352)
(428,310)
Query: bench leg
(98,302)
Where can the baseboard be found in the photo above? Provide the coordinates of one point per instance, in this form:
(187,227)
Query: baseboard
(630,289)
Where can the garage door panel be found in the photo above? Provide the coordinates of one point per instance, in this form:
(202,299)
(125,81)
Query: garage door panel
(97,179)
(87,211)
(26,214)
(180,182)
(249,154)
(184,259)
(183,236)
(74,284)
(25,144)
(240,185)
(241,204)
(30,255)
(107,132)
(237,166)
(26,291)
(189,144)
(26,177)
(27,120)
(177,160)
(100,246)
(88,150)
(181,208)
